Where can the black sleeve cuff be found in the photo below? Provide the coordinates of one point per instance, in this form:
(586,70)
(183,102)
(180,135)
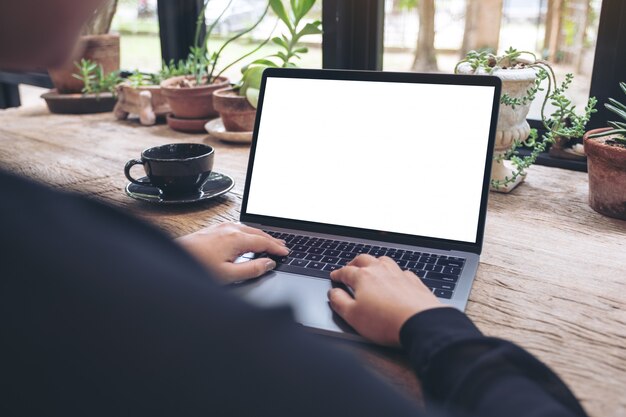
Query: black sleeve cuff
(430,331)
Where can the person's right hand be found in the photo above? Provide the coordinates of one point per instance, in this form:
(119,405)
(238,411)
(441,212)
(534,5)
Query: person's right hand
(385,297)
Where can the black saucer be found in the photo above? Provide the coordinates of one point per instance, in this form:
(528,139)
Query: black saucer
(216,185)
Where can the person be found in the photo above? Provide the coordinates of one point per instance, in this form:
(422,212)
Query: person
(101,314)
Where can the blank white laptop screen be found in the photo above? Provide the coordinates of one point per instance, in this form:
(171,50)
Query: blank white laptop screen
(387,156)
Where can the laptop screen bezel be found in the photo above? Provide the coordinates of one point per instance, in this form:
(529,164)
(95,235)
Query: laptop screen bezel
(354,232)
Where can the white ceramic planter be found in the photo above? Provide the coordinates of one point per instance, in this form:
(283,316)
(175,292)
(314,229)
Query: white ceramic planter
(512,124)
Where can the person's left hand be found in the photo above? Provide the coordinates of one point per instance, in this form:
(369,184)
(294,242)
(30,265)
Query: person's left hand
(217,247)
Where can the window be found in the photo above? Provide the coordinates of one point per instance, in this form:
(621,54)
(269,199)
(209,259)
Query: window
(382,34)
(137,23)
(354,39)
(241,15)
(436,34)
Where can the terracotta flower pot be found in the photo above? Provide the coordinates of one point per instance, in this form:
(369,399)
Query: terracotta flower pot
(191,102)
(146,101)
(102,49)
(606,165)
(236,112)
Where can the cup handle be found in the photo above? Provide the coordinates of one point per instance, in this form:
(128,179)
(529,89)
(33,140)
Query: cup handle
(127,168)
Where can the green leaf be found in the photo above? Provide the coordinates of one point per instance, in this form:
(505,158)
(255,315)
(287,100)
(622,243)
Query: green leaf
(300,8)
(295,8)
(619,112)
(310,29)
(253,96)
(305,6)
(618,125)
(279,9)
(605,133)
(617,104)
(252,78)
(265,62)
(302,50)
(281,55)
(280,42)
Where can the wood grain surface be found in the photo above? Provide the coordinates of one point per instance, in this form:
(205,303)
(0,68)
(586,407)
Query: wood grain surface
(552,276)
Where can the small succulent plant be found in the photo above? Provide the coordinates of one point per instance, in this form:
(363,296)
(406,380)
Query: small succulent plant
(563,123)
(141,79)
(619,128)
(95,81)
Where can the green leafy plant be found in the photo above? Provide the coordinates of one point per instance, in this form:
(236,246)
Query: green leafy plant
(94,79)
(564,122)
(202,64)
(141,79)
(487,62)
(173,69)
(290,48)
(618,128)
(215,56)
(292,18)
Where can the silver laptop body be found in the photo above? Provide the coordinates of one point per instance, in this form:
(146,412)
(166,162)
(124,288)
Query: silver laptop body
(362,160)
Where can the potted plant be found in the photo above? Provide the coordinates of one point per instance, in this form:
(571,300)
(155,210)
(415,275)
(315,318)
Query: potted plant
(522,76)
(97,91)
(96,45)
(566,128)
(606,163)
(190,95)
(141,94)
(237,104)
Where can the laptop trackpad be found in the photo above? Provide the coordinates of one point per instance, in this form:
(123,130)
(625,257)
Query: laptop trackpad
(307,297)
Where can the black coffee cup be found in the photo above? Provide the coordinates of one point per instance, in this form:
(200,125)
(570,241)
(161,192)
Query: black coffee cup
(176,168)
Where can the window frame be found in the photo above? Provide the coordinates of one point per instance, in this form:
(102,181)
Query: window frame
(177,27)
(353,34)
(353,39)
(344,24)
(610,47)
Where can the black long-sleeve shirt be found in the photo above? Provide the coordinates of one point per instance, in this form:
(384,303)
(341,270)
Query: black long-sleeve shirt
(102,315)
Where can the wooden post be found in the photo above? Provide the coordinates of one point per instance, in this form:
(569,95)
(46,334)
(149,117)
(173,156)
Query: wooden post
(425,54)
(582,20)
(100,22)
(553,28)
(482,25)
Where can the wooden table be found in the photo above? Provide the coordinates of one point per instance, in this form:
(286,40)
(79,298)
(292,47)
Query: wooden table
(552,276)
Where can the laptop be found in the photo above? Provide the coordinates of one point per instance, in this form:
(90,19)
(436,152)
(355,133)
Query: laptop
(351,162)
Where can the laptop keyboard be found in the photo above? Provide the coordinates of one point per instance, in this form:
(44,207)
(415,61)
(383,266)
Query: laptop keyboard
(318,257)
